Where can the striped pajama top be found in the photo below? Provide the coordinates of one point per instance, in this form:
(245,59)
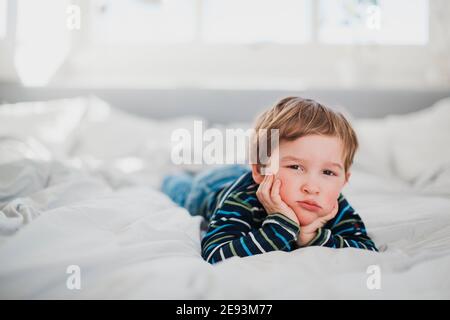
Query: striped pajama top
(240,226)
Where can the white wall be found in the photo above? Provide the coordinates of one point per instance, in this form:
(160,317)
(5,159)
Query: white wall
(265,66)
(7,72)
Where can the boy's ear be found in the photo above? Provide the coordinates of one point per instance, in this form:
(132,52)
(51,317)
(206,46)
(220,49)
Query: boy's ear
(256,175)
(347,176)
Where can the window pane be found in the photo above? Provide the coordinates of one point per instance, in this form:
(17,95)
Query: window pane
(392,22)
(256,21)
(3,15)
(41,44)
(143,21)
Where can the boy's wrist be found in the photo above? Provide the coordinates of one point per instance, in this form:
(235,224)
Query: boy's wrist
(285,222)
(292,217)
(305,238)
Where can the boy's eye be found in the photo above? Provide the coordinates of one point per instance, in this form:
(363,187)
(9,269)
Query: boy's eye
(295,167)
(329,173)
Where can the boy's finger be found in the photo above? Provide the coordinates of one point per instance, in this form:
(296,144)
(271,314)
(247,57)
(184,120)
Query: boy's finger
(275,192)
(264,188)
(267,190)
(263,183)
(267,183)
(270,181)
(268,177)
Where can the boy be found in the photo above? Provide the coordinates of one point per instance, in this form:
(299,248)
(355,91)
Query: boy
(298,204)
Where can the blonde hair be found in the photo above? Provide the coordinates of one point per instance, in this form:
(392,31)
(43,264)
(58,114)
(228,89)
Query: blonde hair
(297,117)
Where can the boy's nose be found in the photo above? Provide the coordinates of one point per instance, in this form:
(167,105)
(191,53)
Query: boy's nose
(310,188)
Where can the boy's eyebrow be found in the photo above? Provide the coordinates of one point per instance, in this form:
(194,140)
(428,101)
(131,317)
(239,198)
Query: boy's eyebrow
(335,164)
(292,158)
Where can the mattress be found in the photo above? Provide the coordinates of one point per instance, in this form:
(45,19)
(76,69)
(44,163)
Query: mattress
(81,215)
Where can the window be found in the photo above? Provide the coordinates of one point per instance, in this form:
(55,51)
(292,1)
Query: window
(212,21)
(256,21)
(347,22)
(3,9)
(42,41)
(143,21)
(388,22)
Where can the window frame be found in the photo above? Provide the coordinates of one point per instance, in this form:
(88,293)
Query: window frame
(92,68)
(314,40)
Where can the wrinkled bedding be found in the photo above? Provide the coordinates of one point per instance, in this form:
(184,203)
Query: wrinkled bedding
(90,199)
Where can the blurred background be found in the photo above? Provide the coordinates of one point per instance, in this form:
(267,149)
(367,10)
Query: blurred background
(92,91)
(134,51)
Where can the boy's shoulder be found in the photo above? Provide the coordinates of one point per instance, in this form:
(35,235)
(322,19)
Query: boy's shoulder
(243,184)
(243,189)
(345,216)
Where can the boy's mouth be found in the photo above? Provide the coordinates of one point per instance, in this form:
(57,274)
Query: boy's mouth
(309,205)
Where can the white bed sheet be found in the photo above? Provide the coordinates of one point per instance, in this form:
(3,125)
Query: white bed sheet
(130,241)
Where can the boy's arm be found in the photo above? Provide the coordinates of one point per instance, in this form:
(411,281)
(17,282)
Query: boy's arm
(346,230)
(231,232)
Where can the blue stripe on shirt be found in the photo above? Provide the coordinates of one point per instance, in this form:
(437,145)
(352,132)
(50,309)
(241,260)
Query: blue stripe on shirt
(237,214)
(345,230)
(217,229)
(341,214)
(245,247)
(355,243)
(281,237)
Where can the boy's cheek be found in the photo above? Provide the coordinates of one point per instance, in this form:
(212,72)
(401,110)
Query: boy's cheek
(330,203)
(305,217)
(284,193)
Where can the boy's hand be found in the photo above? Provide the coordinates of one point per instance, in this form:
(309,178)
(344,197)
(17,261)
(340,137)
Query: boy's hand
(308,232)
(268,194)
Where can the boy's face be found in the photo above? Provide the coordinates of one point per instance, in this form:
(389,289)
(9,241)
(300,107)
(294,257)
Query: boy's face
(311,169)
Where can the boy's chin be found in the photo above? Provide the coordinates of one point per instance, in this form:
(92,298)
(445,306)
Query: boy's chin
(305,218)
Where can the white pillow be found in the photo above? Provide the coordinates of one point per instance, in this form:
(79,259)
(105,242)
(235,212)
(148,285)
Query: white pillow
(53,123)
(24,168)
(375,150)
(108,133)
(409,146)
(421,141)
(128,149)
